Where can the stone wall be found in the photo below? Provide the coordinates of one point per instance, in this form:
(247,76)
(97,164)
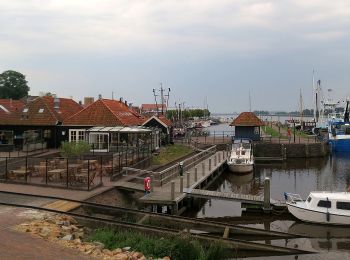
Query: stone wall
(290,150)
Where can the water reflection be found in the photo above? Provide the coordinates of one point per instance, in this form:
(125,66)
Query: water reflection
(297,176)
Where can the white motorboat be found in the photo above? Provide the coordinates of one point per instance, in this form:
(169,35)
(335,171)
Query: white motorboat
(322,207)
(241,159)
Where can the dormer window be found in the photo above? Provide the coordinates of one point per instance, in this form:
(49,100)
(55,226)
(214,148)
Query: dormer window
(25,110)
(41,110)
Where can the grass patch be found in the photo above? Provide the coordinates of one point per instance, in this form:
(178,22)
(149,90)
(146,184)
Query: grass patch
(171,153)
(271,131)
(152,246)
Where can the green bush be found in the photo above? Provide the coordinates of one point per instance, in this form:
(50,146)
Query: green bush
(152,246)
(73,149)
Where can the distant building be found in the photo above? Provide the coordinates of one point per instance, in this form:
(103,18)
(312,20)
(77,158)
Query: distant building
(164,125)
(247,125)
(153,109)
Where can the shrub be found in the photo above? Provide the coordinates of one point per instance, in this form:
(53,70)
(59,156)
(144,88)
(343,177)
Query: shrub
(72,149)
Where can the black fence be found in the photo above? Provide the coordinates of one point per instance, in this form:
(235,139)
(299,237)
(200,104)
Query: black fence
(84,173)
(7,150)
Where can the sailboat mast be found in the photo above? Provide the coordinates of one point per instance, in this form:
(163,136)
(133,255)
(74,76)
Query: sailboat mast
(314,93)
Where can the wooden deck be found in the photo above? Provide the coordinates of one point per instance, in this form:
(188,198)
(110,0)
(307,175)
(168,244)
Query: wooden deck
(245,198)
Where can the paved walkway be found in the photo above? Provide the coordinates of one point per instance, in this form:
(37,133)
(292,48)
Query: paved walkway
(18,245)
(55,192)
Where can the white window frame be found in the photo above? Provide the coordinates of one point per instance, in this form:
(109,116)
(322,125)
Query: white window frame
(76,135)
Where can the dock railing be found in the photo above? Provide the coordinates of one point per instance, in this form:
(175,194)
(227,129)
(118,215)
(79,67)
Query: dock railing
(170,173)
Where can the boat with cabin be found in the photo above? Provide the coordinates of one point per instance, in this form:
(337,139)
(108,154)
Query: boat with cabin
(339,133)
(322,207)
(241,159)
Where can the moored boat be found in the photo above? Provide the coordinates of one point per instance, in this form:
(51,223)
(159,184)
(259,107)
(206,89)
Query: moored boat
(322,207)
(241,159)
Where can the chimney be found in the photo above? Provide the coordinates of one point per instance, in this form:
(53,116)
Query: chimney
(56,103)
(88,101)
(126,103)
(80,102)
(130,104)
(99,96)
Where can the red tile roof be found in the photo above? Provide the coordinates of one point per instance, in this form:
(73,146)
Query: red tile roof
(47,115)
(152,107)
(11,105)
(247,119)
(165,120)
(105,112)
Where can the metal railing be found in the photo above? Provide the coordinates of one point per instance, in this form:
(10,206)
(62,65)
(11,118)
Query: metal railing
(170,173)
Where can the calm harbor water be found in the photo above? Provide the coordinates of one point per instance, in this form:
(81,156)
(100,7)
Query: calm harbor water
(298,176)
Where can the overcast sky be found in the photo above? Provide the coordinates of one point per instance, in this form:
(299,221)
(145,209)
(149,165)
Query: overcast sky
(214,49)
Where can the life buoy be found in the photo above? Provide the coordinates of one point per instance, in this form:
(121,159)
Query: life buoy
(147,183)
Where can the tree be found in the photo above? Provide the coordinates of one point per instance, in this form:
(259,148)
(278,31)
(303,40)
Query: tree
(13,85)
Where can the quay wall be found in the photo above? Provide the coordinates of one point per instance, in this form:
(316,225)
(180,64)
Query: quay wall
(291,150)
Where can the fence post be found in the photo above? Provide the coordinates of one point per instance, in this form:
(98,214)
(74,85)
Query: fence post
(67,171)
(223,155)
(195,174)
(88,182)
(188,179)
(172,190)
(203,169)
(181,184)
(152,182)
(6,169)
(100,169)
(46,171)
(210,164)
(215,160)
(26,169)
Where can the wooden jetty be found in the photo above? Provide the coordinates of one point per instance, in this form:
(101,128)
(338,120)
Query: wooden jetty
(173,189)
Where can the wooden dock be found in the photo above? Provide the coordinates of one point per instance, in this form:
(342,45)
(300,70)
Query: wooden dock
(208,194)
(200,176)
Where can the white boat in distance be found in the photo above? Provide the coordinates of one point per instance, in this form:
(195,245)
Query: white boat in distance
(322,207)
(241,159)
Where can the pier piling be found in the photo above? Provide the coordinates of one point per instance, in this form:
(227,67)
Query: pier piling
(188,179)
(172,190)
(152,182)
(267,203)
(181,184)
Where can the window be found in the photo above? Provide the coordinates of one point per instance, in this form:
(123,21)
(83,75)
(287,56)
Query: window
(324,204)
(47,133)
(309,199)
(41,110)
(256,130)
(76,135)
(343,205)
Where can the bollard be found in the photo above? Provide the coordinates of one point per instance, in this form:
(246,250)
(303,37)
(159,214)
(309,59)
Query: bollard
(203,169)
(267,205)
(152,182)
(172,190)
(188,180)
(181,184)
(209,164)
(195,174)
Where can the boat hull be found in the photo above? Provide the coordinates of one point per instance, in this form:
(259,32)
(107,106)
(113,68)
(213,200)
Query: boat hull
(340,145)
(313,216)
(241,168)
